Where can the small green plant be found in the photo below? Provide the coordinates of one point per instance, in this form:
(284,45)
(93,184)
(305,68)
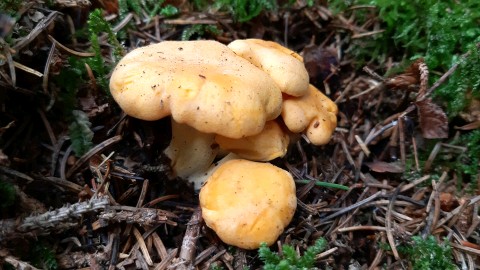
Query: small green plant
(153,7)
(43,257)
(200,30)
(7,194)
(80,133)
(216,267)
(426,254)
(246,10)
(10,6)
(289,260)
(75,74)
(69,80)
(168,11)
(96,25)
(469,162)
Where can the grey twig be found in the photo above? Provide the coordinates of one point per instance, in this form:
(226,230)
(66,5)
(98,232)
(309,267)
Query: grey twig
(58,219)
(187,251)
(52,219)
(143,216)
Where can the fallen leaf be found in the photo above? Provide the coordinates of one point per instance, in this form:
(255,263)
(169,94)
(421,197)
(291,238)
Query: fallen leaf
(111,6)
(406,81)
(382,166)
(321,63)
(447,201)
(415,74)
(433,120)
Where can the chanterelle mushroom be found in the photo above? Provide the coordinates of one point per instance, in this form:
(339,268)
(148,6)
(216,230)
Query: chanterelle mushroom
(203,85)
(313,114)
(247,203)
(200,83)
(285,66)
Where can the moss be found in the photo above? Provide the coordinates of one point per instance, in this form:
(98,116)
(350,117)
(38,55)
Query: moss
(464,83)
(425,254)
(154,7)
(200,30)
(246,10)
(43,257)
(469,162)
(289,260)
(10,6)
(7,194)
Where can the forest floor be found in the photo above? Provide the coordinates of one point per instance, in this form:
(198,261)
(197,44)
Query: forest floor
(85,187)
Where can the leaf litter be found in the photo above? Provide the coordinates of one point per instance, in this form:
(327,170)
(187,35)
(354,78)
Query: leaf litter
(115,205)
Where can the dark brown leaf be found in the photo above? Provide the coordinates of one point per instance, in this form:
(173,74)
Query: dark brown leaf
(403,81)
(381,167)
(433,120)
(321,63)
(111,6)
(447,201)
(415,74)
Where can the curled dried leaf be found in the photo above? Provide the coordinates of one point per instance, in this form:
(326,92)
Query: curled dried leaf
(433,120)
(405,81)
(416,74)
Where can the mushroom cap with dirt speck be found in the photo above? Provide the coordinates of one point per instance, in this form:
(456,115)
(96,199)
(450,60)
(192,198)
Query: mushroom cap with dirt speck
(199,83)
(285,66)
(313,114)
(247,203)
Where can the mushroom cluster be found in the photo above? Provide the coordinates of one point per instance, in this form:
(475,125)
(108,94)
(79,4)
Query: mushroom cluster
(245,100)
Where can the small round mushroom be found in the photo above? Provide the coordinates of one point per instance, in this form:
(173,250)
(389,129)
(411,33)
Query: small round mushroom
(267,145)
(314,114)
(285,66)
(247,203)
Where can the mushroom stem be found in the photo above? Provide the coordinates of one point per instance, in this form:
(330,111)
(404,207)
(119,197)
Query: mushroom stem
(191,152)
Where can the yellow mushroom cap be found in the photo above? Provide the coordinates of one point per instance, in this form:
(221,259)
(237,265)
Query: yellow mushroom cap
(267,145)
(247,203)
(314,114)
(285,66)
(200,83)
